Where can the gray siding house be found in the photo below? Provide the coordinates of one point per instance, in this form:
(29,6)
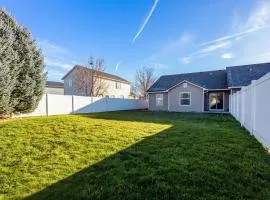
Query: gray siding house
(202,91)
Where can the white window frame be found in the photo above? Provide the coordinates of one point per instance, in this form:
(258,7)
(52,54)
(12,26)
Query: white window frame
(158,102)
(70,83)
(180,98)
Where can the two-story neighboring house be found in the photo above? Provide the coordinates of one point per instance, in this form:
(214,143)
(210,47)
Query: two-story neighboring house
(116,87)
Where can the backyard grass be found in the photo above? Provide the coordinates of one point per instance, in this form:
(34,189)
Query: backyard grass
(131,155)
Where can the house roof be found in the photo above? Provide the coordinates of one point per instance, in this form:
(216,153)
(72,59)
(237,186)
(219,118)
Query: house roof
(238,76)
(208,80)
(102,74)
(54,84)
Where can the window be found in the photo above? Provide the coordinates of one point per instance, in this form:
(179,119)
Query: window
(70,82)
(159,99)
(117,85)
(185,98)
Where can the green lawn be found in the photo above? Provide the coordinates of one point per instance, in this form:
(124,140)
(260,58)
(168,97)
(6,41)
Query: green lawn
(131,155)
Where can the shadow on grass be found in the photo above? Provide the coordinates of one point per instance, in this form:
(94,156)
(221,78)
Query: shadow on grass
(190,160)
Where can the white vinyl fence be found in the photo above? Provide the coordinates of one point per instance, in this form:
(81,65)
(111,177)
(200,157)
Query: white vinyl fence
(251,107)
(53,104)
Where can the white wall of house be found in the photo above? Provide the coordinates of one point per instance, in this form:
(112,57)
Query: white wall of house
(112,91)
(250,106)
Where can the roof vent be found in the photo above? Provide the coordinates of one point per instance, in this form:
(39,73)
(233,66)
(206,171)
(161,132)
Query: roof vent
(185,85)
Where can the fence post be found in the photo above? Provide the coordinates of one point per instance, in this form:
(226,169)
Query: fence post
(47,104)
(72,104)
(242,106)
(233,108)
(253,105)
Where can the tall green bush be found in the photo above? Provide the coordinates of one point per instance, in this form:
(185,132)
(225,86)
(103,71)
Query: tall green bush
(22,77)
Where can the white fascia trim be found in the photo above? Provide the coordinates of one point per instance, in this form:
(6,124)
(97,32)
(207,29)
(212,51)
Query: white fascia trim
(216,89)
(238,87)
(157,92)
(177,85)
(184,82)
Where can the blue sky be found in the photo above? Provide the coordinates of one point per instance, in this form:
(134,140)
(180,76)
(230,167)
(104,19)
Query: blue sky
(171,36)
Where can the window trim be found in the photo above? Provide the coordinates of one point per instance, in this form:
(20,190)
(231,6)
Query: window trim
(118,85)
(70,83)
(161,94)
(180,98)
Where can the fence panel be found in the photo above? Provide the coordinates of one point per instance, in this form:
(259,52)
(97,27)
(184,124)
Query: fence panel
(80,103)
(59,104)
(247,122)
(250,107)
(53,104)
(262,110)
(41,110)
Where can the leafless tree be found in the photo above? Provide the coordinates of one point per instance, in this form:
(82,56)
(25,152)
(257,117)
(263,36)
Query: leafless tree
(144,79)
(88,79)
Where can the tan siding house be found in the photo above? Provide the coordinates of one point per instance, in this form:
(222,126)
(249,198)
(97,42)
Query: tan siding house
(116,87)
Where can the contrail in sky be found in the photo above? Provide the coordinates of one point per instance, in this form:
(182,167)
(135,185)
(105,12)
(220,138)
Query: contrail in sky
(146,20)
(117,65)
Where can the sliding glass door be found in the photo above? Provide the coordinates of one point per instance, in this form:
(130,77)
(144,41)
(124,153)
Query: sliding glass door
(216,101)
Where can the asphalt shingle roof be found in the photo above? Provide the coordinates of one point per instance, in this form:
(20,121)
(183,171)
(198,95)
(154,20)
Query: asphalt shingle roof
(102,74)
(208,80)
(238,76)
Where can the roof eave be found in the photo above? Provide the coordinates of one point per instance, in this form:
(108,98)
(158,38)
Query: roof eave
(235,87)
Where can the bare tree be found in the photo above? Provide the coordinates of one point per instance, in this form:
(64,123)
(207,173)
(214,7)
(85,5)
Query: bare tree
(89,79)
(144,79)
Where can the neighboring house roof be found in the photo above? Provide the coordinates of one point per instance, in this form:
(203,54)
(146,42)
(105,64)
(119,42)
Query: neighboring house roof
(54,84)
(207,80)
(101,74)
(239,76)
